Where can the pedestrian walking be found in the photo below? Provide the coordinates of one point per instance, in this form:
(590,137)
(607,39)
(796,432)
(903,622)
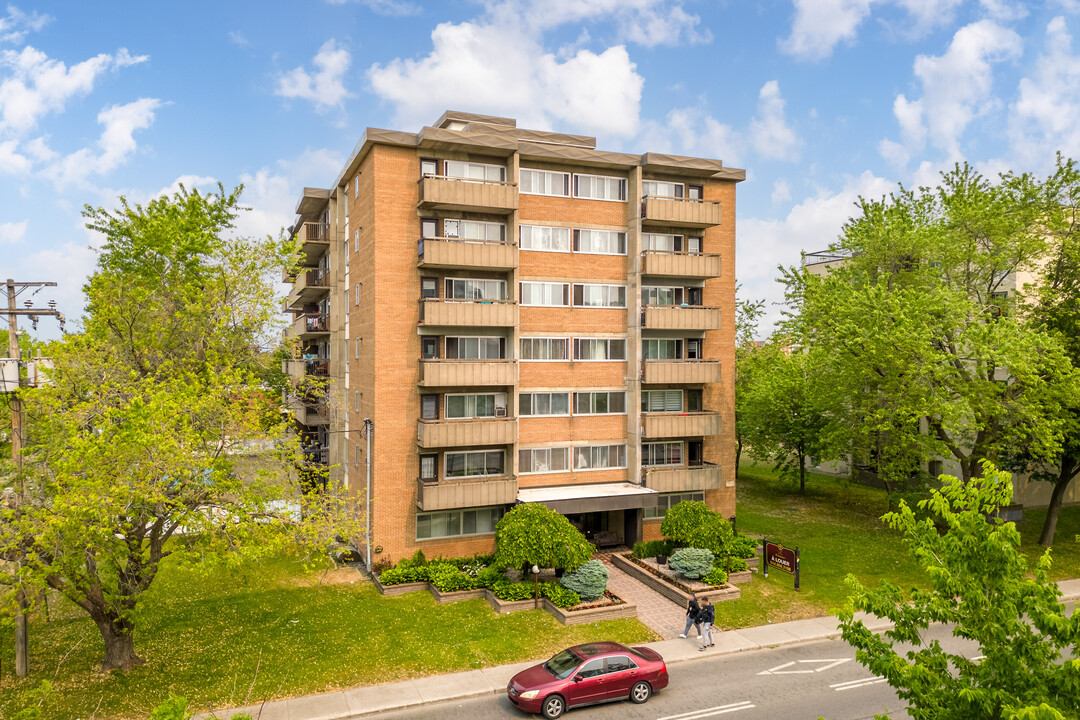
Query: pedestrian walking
(693,617)
(708,615)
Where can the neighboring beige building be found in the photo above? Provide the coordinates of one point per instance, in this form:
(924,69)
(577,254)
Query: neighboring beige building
(517,317)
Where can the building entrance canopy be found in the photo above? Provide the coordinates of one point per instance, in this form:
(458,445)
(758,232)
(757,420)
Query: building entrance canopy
(571,499)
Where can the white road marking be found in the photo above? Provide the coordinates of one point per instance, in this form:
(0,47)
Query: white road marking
(781,669)
(709,712)
(852,684)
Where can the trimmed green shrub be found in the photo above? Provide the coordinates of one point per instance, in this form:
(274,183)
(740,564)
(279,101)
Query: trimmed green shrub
(447,578)
(401,575)
(174,708)
(489,576)
(737,564)
(534,534)
(716,576)
(559,595)
(744,547)
(510,591)
(692,562)
(693,524)
(589,581)
(417,560)
(652,548)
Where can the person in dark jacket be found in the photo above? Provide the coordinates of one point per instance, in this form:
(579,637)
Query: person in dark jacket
(708,615)
(693,617)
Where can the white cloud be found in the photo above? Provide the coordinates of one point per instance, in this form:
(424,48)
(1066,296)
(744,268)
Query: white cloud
(11,162)
(929,14)
(17,24)
(642,22)
(1004,10)
(1046,115)
(313,168)
(236,37)
(325,87)
(204,183)
(591,92)
(769,131)
(781,193)
(393,8)
(270,198)
(12,233)
(820,24)
(36,84)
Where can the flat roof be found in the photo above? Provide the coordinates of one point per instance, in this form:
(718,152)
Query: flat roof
(594,497)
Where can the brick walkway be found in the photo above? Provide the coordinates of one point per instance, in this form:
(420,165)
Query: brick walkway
(661,615)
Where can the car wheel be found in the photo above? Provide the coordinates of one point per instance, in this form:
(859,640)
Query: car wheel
(554,706)
(641,692)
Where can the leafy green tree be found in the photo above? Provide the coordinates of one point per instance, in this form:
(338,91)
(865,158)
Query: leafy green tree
(918,350)
(532,534)
(693,524)
(747,315)
(980,583)
(159,437)
(782,410)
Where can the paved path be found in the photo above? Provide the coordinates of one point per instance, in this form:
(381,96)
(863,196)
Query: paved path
(659,614)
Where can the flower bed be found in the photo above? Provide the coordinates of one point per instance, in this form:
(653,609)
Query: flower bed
(663,581)
(610,607)
(399,589)
(449,597)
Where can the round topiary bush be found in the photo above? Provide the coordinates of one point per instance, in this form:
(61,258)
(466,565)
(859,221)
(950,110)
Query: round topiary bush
(532,534)
(694,524)
(589,581)
(692,562)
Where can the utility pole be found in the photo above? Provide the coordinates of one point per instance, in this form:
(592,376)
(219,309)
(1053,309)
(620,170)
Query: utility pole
(22,639)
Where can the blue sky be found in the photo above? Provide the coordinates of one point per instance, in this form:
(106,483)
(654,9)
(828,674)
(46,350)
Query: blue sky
(819,100)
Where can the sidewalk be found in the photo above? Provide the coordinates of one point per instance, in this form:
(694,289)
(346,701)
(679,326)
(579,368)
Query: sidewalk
(346,704)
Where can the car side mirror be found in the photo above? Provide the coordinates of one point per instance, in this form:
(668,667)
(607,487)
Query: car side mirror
(577,678)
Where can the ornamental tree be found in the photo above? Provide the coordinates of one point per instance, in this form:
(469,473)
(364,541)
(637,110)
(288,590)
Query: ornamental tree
(533,534)
(694,524)
(980,583)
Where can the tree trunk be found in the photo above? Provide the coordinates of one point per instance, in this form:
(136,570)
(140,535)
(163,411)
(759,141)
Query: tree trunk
(1068,470)
(738,454)
(802,474)
(119,638)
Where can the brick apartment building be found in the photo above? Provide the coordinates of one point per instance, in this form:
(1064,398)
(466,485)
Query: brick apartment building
(506,315)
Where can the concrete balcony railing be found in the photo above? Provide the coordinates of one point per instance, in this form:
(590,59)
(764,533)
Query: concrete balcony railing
(440,252)
(308,413)
(314,240)
(468,373)
(310,326)
(303,369)
(439,192)
(464,433)
(679,212)
(473,313)
(680,317)
(673,425)
(683,479)
(679,372)
(308,287)
(450,493)
(680,264)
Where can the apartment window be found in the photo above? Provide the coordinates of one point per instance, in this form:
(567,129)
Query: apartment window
(429,287)
(693,245)
(346,247)
(356,240)
(600,242)
(600,187)
(429,347)
(694,349)
(543,404)
(543,182)
(665,453)
(610,296)
(454,523)
(599,349)
(661,349)
(666,501)
(660,242)
(659,188)
(695,192)
(429,468)
(475,171)
(532,461)
(661,400)
(428,166)
(544,349)
(474,464)
(475,406)
(474,230)
(935,468)
(544,238)
(356,349)
(473,289)
(356,400)
(661,295)
(356,294)
(599,457)
(356,185)
(545,294)
(475,348)
(429,407)
(599,403)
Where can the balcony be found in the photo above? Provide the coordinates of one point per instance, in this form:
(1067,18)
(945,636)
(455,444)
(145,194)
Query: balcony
(464,433)
(679,212)
(317,455)
(683,479)
(680,264)
(308,287)
(314,240)
(680,372)
(673,425)
(440,252)
(451,493)
(302,369)
(468,373)
(680,317)
(439,192)
(310,326)
(472,313)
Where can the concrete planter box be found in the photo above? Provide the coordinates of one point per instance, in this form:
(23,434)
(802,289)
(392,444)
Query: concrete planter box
(589,615)
(507,606)
(738,578)
(675,594)
(401,589)
(449,597)
(753,562)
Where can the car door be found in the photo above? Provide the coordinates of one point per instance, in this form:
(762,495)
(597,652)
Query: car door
(587,685)
(620,674)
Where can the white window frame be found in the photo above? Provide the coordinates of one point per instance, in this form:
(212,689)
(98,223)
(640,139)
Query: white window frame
(498,405)
(621,184)
(356,240)
(356,294)
(546,174)
(679,345)
(669,443)
(485,167)
(591,395)
(677,242)
(481,342)
(493,515)
(666,395)
(357,348)
(607,341)
(541,451)
(474,284)
(610,295)
(595,451)
(446,463)
(554,230)
(547,285)
(679,189)
(620,240)
(675,289)
(551,403)
(660,509)
(474,230)
(532,340)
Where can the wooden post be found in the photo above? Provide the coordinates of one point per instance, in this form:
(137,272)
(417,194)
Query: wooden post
(796,569)
(764,557)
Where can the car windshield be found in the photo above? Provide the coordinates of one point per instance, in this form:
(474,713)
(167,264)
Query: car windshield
(562,664)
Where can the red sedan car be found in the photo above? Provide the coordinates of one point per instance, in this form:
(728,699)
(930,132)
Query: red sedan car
(587,674)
